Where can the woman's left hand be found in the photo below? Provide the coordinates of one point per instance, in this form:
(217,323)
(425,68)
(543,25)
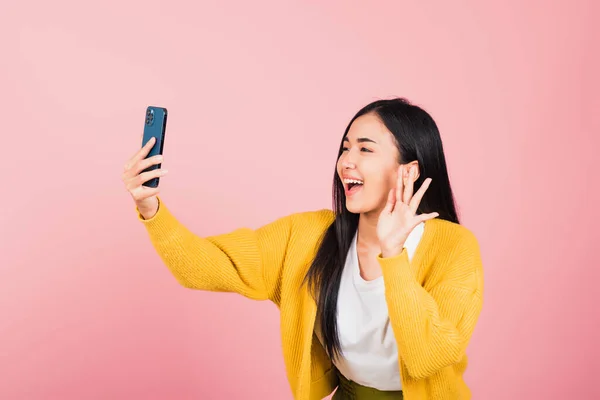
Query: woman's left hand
(399,218)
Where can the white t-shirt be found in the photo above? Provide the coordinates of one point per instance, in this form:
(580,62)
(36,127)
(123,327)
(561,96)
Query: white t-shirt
(370,354)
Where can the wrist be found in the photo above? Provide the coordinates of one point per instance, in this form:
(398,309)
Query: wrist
(387,252)
(148,212)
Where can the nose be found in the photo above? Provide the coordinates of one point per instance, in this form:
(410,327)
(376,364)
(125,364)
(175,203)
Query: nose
(347,164)
(348,160)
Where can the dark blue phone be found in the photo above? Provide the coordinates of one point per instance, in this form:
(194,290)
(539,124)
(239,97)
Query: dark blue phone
(154,127)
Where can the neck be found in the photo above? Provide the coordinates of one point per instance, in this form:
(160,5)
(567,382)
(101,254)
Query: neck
(367,230)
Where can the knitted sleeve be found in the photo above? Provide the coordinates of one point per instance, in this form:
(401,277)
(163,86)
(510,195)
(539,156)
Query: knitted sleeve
(433,328)
(244,261)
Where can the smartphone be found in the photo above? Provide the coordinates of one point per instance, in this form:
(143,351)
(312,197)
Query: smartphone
(155,126)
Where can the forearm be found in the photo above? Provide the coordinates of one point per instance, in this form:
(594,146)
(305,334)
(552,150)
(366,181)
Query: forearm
(232,262)
(432,329)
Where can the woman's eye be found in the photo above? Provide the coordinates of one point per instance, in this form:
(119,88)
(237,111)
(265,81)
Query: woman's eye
(364,149)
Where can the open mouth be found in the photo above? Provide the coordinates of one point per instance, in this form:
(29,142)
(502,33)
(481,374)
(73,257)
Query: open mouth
(353,186)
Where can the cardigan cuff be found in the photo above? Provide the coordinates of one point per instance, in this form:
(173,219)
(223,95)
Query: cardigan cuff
(161,224)
(397,268)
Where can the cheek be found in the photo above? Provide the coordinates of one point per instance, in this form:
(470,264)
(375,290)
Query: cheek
(384,181)
(393,180)
(377,181)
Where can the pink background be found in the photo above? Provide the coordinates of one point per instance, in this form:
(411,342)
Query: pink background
(259,94)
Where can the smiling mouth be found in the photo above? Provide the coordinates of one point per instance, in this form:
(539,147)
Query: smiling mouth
(353,186)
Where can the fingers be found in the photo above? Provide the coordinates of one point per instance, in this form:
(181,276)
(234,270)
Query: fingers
(400,183)
(425,217)
(391,201)
(141,165)
(408,190)
(140,154)
(145,163)
(144,177)
(416,200)
(135,184)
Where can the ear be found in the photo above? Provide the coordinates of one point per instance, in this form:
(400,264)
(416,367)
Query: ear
(414,165)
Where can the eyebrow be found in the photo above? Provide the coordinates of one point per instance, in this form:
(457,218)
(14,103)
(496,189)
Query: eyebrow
(360,140)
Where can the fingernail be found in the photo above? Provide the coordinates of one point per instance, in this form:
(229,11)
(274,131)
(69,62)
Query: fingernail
(164,171)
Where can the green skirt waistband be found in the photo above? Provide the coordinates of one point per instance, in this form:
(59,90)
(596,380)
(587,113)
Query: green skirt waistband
(349,390)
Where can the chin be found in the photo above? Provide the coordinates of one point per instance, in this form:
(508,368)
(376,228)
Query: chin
(372,206)
(353,209)
(358,208)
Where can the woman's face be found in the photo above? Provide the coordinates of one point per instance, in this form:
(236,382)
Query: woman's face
(368,166)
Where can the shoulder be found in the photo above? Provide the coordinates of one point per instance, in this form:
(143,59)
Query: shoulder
(452,235)
(457,252)
(303,222)
(312,220)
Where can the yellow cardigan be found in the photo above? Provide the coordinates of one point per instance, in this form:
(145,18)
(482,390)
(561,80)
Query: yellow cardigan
(433,301)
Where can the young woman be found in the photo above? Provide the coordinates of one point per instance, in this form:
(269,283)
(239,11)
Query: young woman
(379,296)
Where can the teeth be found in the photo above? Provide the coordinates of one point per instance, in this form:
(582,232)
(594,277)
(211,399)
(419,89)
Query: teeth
(353,181)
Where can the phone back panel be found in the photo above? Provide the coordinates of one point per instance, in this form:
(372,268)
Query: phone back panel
(155,124)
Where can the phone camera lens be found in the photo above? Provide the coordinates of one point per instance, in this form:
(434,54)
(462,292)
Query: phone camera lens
(149,116)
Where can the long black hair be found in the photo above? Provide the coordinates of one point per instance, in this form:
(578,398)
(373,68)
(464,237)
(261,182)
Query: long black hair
(417,137)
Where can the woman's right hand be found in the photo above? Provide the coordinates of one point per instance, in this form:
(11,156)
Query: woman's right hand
(144,197)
